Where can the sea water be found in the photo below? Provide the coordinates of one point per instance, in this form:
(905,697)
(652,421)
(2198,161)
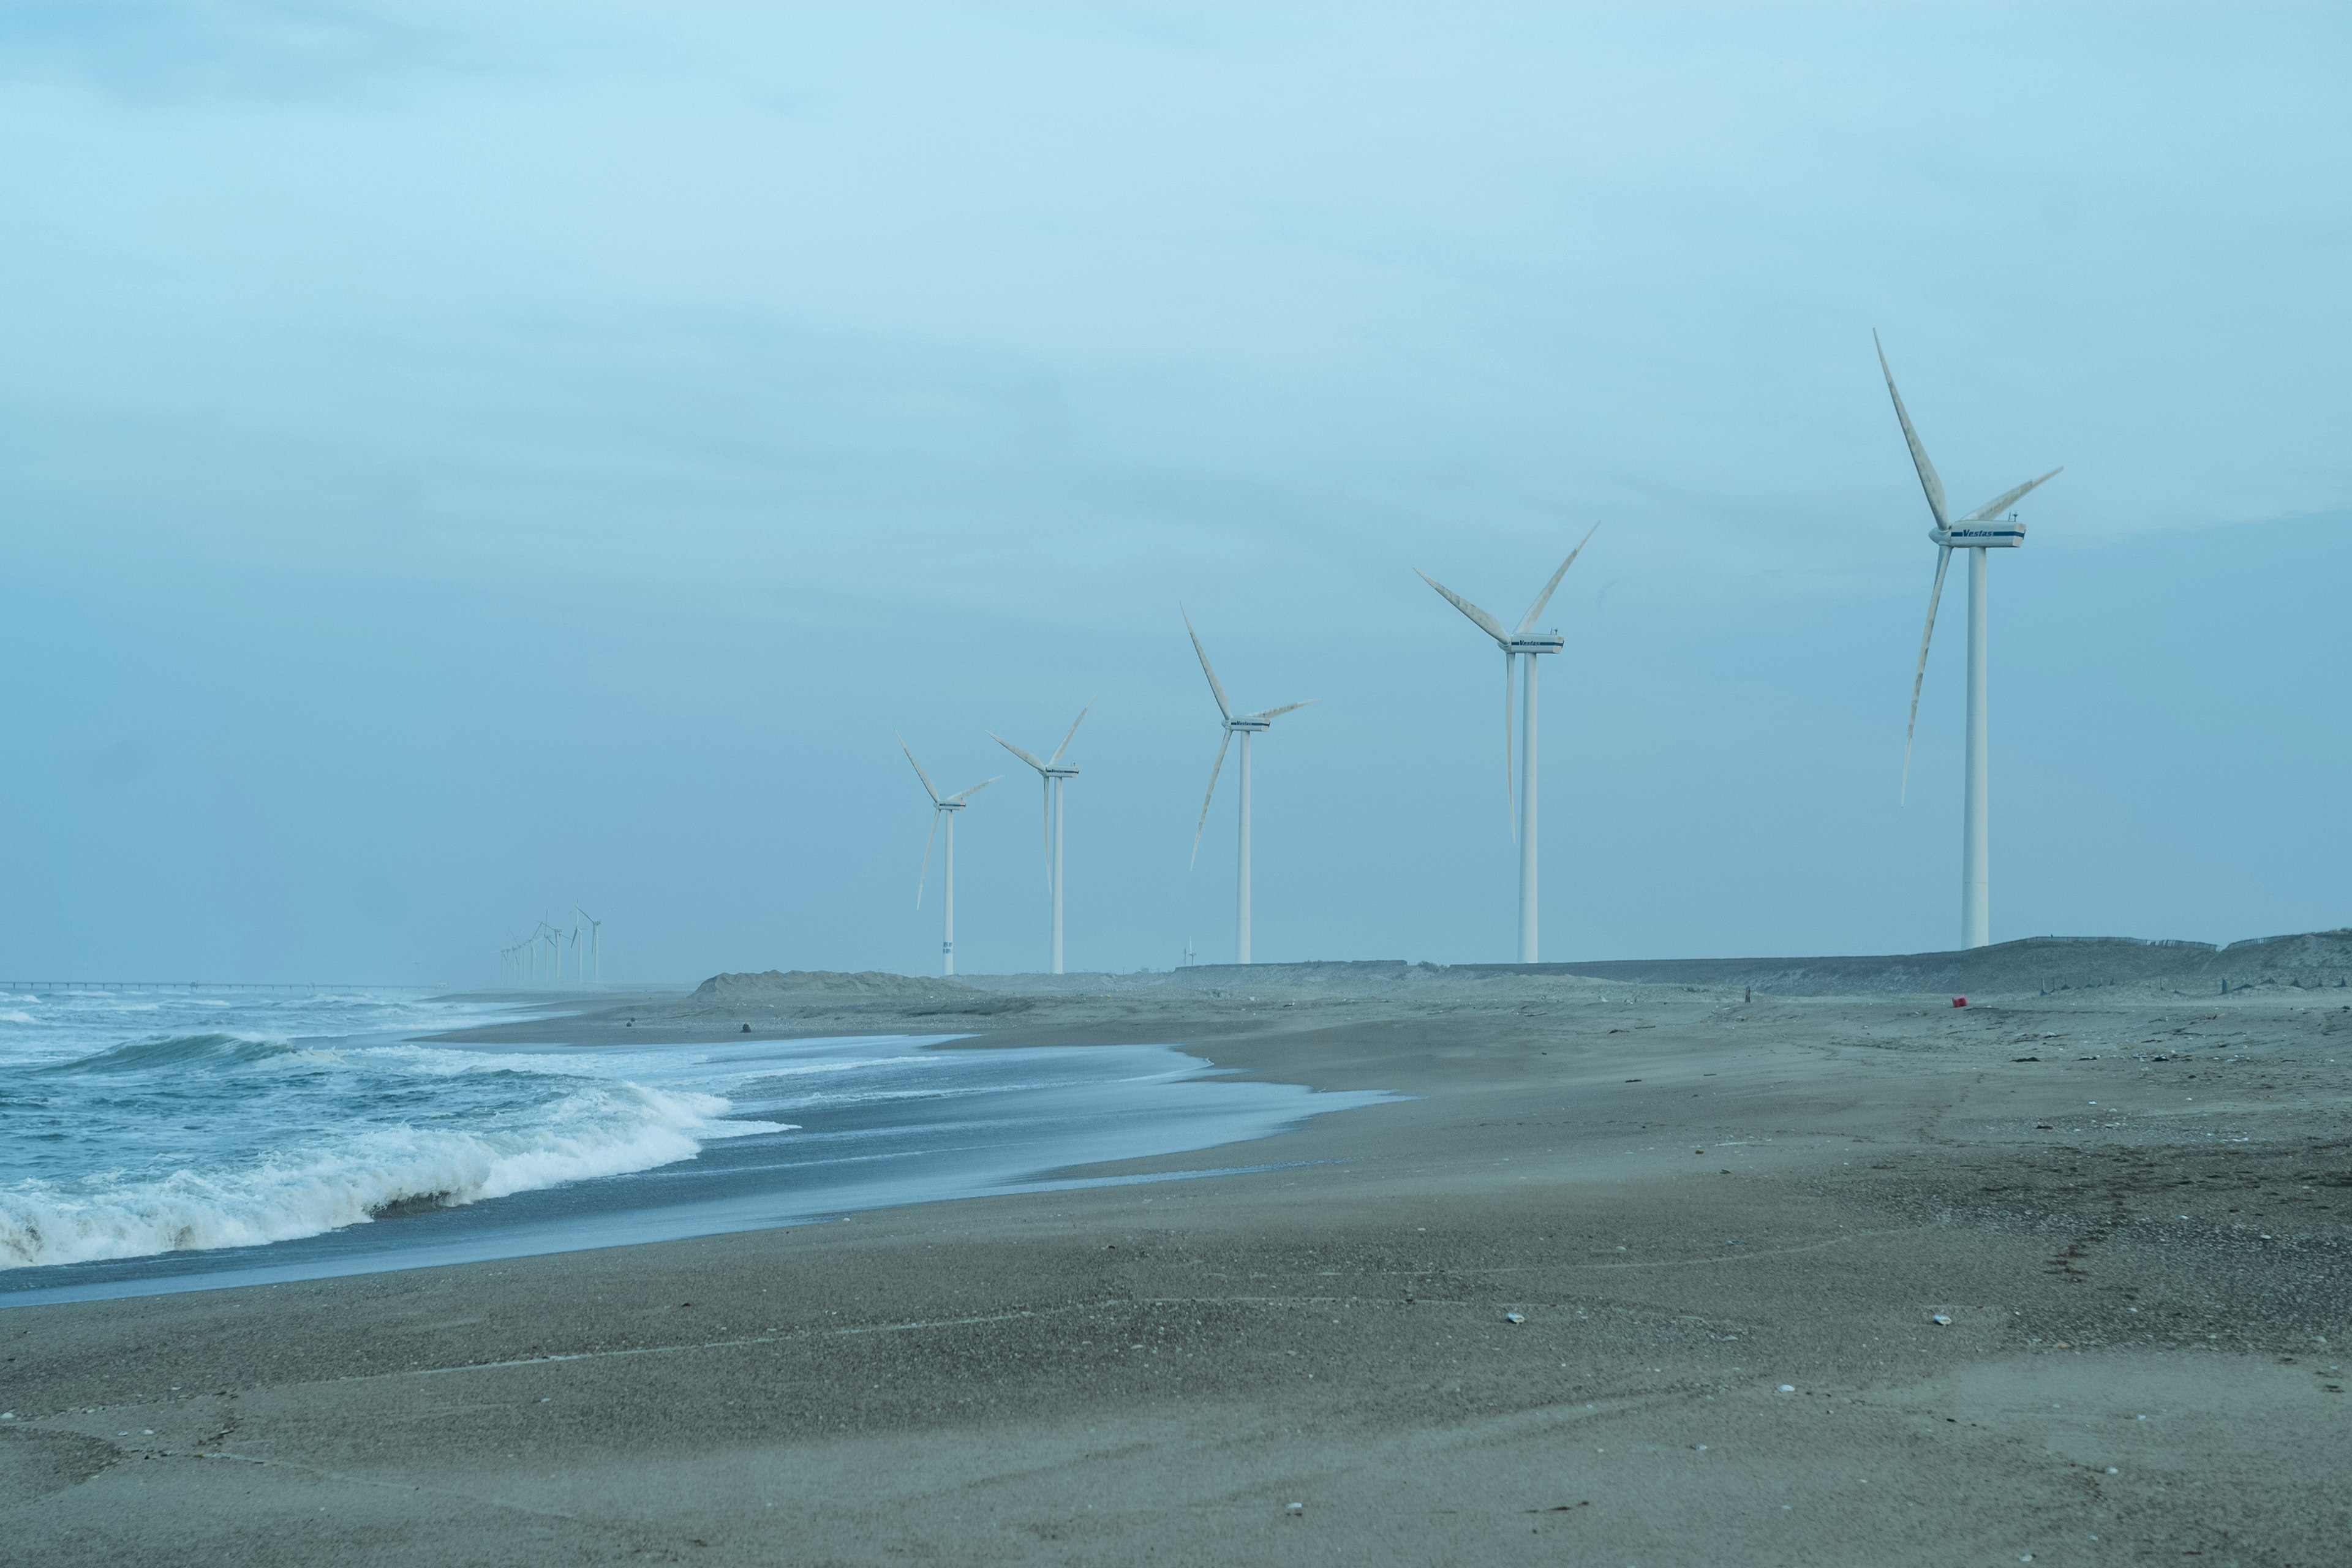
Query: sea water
(165,1139)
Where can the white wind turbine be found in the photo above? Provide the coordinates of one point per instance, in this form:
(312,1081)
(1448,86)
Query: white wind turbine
(1532,644)
(944,806)
(1982,529)
(595,942)
(554,939)
(1054,776)
(1246,725)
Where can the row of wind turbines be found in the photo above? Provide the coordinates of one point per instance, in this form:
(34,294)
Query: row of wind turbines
(538,958)
(1984,529)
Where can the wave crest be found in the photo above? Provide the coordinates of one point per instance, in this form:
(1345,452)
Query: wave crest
(602,1130)
(176,1050)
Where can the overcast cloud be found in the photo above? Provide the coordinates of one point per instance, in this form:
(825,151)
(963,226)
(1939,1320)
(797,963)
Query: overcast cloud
(458,460)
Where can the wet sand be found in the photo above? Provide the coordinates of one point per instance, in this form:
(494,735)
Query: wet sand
(2138,1234)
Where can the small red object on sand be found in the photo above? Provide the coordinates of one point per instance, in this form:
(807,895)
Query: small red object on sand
(1959,1001)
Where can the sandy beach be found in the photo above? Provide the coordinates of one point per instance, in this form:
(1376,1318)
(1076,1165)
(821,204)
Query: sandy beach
(1641,1272)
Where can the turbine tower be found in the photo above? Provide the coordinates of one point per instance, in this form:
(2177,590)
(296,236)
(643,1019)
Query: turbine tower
(944,806)
(595,942)
(1246,725)
(1530,643)
(1053,775)
(1982,529)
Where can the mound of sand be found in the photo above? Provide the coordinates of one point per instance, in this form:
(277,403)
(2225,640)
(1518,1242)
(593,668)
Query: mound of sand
(2034,966)
(824,992)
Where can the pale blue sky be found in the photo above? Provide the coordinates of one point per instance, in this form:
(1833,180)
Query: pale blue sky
(455,459)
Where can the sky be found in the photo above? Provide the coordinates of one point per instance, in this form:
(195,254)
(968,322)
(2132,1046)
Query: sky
(461,461)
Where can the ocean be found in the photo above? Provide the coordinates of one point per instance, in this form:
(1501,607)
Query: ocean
(168,1139)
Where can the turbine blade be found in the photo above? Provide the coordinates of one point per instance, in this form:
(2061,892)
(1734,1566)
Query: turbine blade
(1545,597)
(1214,769)
(1935,597)
(1478,617)
(1073,728)
(1016,751)
(1216,687)
(963,795)
(928,788)
(1995,507)
(1286,708)
(1927,480)
(926,874)
(1510,791)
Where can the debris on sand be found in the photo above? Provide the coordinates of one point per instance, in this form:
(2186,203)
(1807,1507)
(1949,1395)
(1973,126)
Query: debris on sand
(1514,1318)
(1941,1320)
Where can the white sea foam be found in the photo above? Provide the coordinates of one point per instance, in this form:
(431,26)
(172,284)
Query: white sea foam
(16,1016)
(600,1129)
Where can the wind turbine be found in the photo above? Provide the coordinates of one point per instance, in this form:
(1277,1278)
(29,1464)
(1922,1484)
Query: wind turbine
(1532,644)
(944,806)
(595,942)
(1982,529)
(1246,725)
(1053,775)
(554,939)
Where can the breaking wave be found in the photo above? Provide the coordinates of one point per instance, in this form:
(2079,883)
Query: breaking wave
(589,1129)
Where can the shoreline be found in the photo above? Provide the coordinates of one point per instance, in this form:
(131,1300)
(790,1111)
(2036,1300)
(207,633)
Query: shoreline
(1688,1203)
(817,1129)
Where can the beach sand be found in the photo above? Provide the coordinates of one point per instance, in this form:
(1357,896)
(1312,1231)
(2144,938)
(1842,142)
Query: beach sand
(2138,1234)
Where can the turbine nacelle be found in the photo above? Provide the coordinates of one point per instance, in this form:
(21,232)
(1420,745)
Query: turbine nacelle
(1535,642)
(2006,534)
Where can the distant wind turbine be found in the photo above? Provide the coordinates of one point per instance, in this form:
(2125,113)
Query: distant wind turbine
(1982,529)
(1532,644)
(942,807)
(595,942)
(1246,725)
(1053,775)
